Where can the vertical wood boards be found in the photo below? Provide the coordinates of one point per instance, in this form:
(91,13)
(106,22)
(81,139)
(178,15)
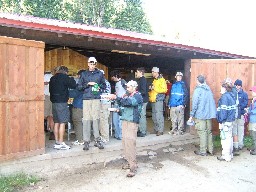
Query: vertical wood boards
(21,98)
(216,70)
(71,59)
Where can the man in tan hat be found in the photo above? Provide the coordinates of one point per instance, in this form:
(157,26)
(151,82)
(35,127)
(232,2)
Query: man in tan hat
(156,97)
(177,103)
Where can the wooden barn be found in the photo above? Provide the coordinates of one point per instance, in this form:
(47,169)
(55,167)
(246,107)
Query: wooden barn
(30,46)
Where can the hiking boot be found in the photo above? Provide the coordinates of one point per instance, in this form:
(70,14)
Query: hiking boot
(253,152)
(139,134)
(98,143)
(158,133)
(86,146)
(236,152)
(199,153)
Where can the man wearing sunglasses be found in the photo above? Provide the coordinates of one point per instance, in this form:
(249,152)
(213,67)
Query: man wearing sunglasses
(91,82)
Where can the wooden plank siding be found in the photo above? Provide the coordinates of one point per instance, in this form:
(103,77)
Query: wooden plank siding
(71,59)
(216,70)
(21,98)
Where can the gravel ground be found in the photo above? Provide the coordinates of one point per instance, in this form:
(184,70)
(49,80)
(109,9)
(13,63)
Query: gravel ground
(172,168)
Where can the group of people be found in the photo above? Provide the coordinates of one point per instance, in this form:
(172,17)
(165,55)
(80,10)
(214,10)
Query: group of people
(93,102)
(231,112)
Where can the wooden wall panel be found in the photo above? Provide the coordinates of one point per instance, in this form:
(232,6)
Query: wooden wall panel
(71,59)
(21,99)
(216,71)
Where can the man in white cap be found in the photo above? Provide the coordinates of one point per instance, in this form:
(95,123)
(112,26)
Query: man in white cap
(177,103)
(156,97)
(91,82)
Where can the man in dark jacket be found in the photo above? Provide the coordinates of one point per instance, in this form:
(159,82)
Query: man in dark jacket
(143,89)
(58,87)
(238,129)
(92,82)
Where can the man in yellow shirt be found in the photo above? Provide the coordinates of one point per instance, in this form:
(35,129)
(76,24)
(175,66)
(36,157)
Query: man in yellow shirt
(156,97)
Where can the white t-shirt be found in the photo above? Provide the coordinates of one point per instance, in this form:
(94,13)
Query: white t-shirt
(47,78)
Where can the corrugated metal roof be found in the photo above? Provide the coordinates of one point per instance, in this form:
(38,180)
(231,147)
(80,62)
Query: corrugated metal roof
(30,22)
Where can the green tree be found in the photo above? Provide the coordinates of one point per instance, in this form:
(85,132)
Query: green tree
(11,6)
(53,9)
(132,18)
(125,14)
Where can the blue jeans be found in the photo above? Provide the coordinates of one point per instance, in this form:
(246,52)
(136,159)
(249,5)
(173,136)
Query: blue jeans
(118,125)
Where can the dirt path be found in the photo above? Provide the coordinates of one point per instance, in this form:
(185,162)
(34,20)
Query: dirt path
(166,169)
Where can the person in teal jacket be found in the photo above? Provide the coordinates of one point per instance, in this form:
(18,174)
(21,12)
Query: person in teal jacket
(203,110)
(130,109)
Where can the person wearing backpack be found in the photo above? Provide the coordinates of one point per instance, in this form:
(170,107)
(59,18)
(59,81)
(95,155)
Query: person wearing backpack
(120,91)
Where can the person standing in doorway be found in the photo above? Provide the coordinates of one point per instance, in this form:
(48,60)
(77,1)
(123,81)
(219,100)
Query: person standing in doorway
(203,110)
(58,87)
(177,103)
(143,89)
(77,112)
(120,91)
(92,82)
(156,97)
(104,112)
(48,106)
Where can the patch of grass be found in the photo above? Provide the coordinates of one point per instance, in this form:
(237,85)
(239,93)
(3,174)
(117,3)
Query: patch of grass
(13,182)
(248,142)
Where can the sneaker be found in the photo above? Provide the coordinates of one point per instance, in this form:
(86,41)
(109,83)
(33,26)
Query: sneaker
(199,153)
(236,152)
(86,146)
(173,132)
(253,152)
(57,146)
(64,146)
(77,143)
(98,143)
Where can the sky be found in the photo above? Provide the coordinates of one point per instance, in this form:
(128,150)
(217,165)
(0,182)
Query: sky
(222,25)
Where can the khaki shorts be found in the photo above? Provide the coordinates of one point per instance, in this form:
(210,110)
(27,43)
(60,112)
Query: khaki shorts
(47,106)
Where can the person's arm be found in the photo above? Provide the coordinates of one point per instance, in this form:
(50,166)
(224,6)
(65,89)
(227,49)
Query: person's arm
(195,103)
(185,96)
(82,82)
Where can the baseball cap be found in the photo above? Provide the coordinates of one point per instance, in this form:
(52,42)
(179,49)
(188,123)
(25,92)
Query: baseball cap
(92,59)
(238,82)
(132,83)
(253,89)
(228,81)
(179,74)
(155,69)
